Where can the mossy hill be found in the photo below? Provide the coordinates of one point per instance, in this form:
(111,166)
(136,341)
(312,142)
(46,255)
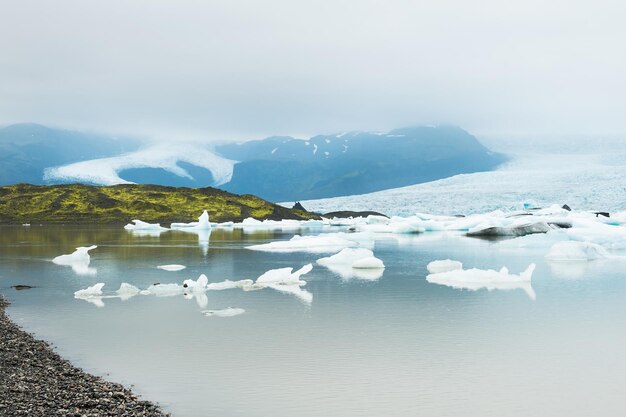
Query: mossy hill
(81,204)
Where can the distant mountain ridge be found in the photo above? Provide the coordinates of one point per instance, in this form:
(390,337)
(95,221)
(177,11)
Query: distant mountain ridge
(288,169)
(278,168)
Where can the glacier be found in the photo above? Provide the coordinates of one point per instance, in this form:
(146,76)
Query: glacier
(105,171)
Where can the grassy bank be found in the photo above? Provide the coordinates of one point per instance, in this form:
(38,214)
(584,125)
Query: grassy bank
(78,203)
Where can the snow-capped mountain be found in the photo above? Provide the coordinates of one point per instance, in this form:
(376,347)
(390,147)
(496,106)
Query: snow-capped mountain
(276,168)
(285,168)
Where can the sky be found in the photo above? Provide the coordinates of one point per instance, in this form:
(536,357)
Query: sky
(222,70)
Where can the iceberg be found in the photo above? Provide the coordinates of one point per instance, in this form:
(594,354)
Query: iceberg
(489,279)
(197,285)
(313,244)
(138,225)
(226,312)
(202,224)
(354,263)
(577,251)
(172,267)
(228,284)
(284,276)
(164,290)
(78,260)
(127,291)
(93,291)
(446,265)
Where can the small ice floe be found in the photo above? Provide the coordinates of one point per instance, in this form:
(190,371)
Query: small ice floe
(164,290)
(138,225)
(172,267)
(446,265)
(226,312)
(197,285)
(312,244)
(577,251)
(91,294)
(354,263)
(26,224)
(489,279)
(202,224)
(512,230)
(284,280)
(78,260)
(127,291)
(228,284)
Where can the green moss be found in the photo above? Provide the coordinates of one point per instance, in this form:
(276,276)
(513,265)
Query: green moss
(78,203)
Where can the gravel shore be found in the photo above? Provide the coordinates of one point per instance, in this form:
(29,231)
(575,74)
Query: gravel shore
(35,381)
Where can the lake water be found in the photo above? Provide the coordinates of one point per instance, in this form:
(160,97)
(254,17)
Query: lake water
(396,346)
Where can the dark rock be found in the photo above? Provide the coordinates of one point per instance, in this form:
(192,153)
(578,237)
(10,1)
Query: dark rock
(22,287)
(602,213)
(345,214)
(566,207)
(298,206)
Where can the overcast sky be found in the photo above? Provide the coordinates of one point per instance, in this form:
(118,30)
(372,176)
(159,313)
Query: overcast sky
(245,69)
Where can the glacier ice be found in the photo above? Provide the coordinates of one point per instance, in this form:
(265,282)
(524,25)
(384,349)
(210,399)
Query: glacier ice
(313,244)
(202,224)
(475,279)
(139,225)
(228,284)
(226,312)
(577,251)
(93,291)
(78,260)
(354,263)
(446,265)
(127,291)
(172,267)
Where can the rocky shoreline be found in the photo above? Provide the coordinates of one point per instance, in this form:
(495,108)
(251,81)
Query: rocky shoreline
(35,381)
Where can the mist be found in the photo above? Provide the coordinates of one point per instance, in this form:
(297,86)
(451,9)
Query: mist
(235,70)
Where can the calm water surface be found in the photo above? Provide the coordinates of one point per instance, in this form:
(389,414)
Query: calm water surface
(397,346)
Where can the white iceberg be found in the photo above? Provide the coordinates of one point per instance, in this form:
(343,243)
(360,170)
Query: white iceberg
(228,284)
(226,312)
(446,265)
(354,263)
(577,251)
(127,291)
(489,279)
(138,225)
(78,260)
(202,224)
(312,244)
(93,291)
(172,267)
(284,276)
(164,290)
(197,285)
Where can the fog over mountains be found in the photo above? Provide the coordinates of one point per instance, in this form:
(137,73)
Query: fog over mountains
(276,168)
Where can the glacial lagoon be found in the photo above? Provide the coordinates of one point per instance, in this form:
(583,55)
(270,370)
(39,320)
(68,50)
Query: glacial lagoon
(396,345)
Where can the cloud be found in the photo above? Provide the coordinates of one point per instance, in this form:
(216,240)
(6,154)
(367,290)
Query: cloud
(239,69)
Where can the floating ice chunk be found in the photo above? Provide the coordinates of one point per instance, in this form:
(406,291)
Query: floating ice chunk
(202,224)
(228,284)
(197,285)
(577,251)
(436,267)
(226,312)
(80,256)
(313,244)
(163,290)
(368,263)
(127,291)
(138,225)
(93,291)
(78,260)
(475,279)
(172,267)
(375,219)
(513,230)
(284,276)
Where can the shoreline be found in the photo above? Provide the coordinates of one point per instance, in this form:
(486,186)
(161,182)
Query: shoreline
(36,381)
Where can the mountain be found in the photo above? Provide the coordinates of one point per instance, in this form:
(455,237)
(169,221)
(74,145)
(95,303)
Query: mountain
(288,169)
(27,149)
(279,168)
